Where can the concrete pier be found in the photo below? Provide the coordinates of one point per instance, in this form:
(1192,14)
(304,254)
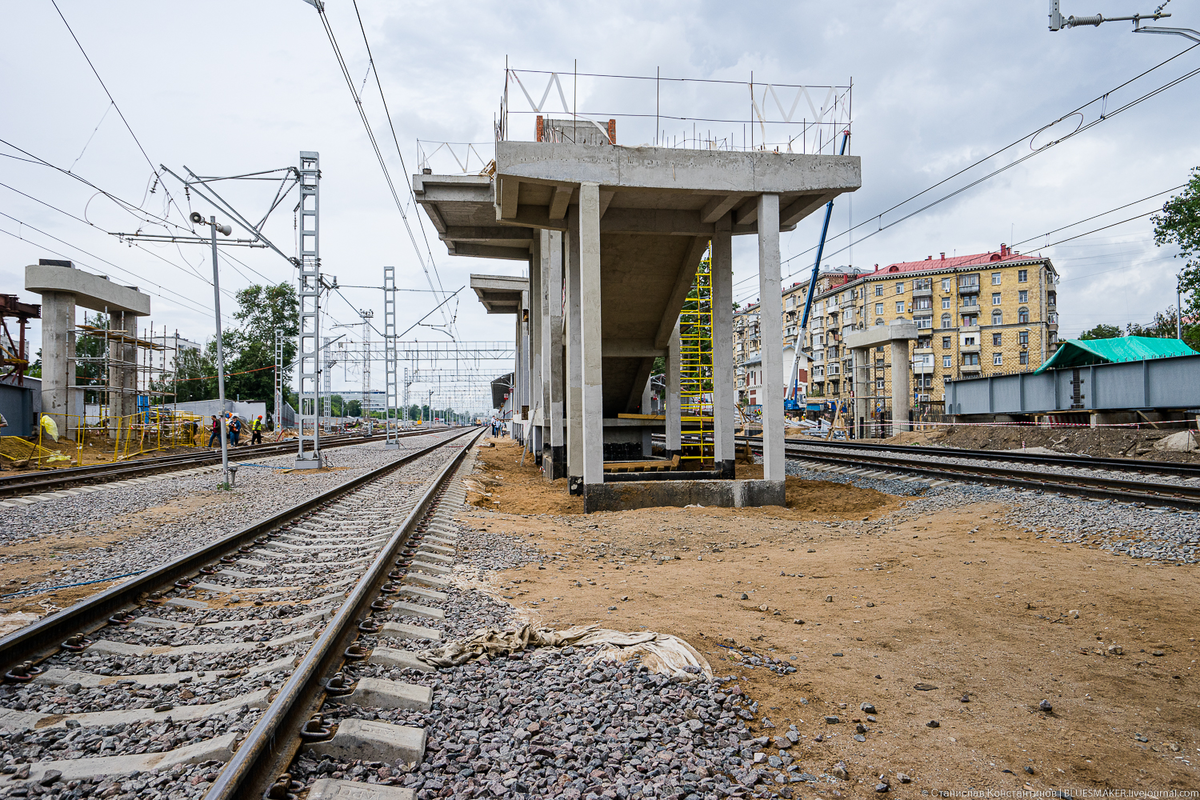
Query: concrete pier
(631,225)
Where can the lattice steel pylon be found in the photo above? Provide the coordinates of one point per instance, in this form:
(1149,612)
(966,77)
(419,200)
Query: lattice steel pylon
(696,372)
(391,423)
(308,353)
(367,316)
(279,379)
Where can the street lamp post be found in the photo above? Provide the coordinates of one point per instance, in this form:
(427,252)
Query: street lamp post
(225,230)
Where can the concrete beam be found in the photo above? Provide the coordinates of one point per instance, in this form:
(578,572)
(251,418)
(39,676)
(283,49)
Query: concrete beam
(91,291)
(880,335)
(606,197)
(675,222)
(719,206)
(507,192)
(632,348)
(560,201)
(487,251)
(535,217)
(674,439)
(486,233)
(683,284)
(747,213)
(751,172)
(800,208)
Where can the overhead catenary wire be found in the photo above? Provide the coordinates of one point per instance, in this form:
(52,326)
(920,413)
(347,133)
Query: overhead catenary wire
(113,100)
(877,218)
(387,176)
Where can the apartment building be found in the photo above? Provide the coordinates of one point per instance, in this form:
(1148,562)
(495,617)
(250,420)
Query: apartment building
(985,314)
(747,343)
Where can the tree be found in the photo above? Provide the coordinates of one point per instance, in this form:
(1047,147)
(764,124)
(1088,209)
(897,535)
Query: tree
(1179,224)
(250,347)
(1101,331)
(353,409)
(195,376)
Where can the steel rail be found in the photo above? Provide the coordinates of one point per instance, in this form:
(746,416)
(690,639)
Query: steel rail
(1080,462)
(44,637)
(271,745)
(1119,489)
(33,483)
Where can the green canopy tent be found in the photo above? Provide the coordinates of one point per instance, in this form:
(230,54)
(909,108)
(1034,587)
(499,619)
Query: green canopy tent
(1082,353)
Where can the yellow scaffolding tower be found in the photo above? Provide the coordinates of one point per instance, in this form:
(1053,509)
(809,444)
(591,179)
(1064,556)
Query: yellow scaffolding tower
(696,372)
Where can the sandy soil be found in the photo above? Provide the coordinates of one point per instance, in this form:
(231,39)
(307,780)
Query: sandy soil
(1098,442)
(954,618)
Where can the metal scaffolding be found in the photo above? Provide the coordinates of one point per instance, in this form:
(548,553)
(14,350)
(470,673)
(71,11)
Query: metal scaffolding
(696,371)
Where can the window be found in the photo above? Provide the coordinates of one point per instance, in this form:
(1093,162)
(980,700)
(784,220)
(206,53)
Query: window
(923,323)
(945,302)
(969,320)
(879,290)
(878,308)
(1022,275)
(899,306)
(997,359)
(1025,357)
(968,341)
(945,361)
(946,342)
(923,303)
(997,317)
(970,359)
(1023,337)
(945,320)
(879,384)
(924,342)
(945,284)
(1023,296)
(995,298)
(995,279)
(878,362)
(995,340)
(968,283)
(900,287)
(1023,316)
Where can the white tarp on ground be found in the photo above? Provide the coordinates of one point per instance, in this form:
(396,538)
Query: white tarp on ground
(1182,442)
(658,652)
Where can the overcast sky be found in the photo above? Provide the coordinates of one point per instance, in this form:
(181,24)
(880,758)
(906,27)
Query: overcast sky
(233,87)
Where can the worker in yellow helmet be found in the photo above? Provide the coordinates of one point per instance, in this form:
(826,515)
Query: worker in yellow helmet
(256,429)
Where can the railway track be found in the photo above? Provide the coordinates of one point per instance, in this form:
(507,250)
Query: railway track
(29,484)
(1123,480)
(211,667)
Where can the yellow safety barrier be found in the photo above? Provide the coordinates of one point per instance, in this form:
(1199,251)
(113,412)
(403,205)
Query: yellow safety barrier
(83,440)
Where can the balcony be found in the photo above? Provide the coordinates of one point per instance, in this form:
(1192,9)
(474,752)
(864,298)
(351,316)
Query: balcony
(969,348)
(970,304)
(973,369)
(923,369)
(923,291)
(969,328)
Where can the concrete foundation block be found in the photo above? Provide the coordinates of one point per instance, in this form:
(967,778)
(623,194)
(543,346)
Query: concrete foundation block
(378,693)
(330,789)
(367,740)
(750,494)
(404,659)
(424,594)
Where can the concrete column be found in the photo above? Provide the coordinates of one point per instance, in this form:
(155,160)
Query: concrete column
(58,371)
(593,381)
(514,402)
(536,407)
(526,407)
(724,379)
(647,441)
(674,444)
(861,382)
(771,328)
(553,448)
(574,357)
(122,372)
(901,392)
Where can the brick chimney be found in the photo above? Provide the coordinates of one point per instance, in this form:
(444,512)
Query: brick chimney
(1003,250)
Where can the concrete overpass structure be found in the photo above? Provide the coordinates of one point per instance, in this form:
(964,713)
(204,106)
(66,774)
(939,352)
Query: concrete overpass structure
(613,237)
(62,288)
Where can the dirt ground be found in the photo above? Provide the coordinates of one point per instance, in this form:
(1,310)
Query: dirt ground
(956,619)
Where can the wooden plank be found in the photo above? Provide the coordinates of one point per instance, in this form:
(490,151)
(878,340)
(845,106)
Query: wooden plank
(657,465)
(659,417)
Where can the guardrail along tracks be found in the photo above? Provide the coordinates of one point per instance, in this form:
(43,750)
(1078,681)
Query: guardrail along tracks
(225,654)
